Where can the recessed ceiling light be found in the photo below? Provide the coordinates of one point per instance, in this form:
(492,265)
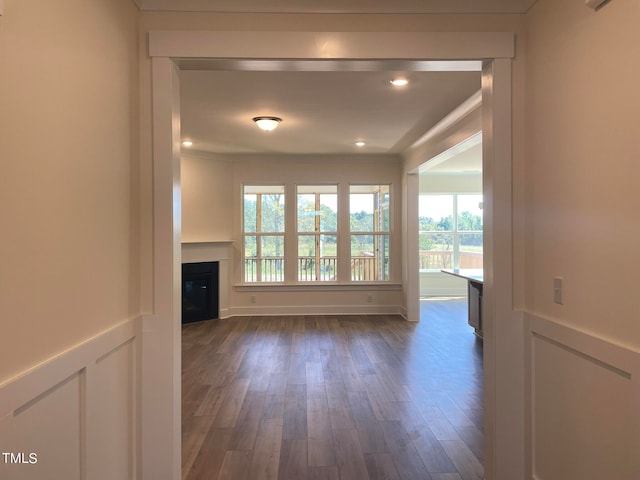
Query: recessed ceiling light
(267,123)
(187,143)
(360,144)
(399,82)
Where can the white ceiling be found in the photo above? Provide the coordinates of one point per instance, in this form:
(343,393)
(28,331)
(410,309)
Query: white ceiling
(463,159)
(322,112)
(340,6)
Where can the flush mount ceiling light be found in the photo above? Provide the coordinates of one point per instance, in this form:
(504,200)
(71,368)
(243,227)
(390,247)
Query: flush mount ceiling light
(360,144)
(267,123)
(187,143)
(399,82)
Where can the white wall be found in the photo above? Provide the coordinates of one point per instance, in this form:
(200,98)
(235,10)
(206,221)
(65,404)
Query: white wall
(582,99)
(207,198)
(67,91)
(201,198)
(68,248)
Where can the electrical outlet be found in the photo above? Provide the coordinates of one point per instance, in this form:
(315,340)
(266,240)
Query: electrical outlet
(252,299)
(369,298)
(557,290)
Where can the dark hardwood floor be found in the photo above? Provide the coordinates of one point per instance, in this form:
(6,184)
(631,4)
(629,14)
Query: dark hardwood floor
(333,397)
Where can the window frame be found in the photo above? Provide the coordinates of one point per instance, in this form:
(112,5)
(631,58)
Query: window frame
(259,235)
(377,234)
(318,232)
(455,232)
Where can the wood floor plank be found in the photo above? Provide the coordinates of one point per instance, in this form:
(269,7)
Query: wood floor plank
(231,403)
(431,452)
(246,427)
(349,456)
(235,465)
(439,425)
(194,432)
(367,425)
(323,473)
(333,397)
(313,372)
(293,460)
(273,406)
(210,402)
(473,438)
(405,455)
(468,466)
(320,441)
(445,476)
(295,413)
(380,466)
(211,454)
(265,457)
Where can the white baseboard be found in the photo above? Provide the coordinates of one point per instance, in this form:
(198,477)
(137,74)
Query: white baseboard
(315,310)
(583,395)
(74,413)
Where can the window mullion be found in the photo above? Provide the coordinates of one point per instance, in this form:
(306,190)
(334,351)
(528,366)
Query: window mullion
(259,237)
(317,235)
(456,235)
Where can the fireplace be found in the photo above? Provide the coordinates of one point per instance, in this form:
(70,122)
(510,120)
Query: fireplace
(200,297)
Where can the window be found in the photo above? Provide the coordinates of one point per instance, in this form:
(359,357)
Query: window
(317,227)
(369,226)
(263,232)
(450,231)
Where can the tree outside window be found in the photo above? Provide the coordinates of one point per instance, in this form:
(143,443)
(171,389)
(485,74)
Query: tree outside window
(263,232)
(317,227)
(450,231)
(369,207)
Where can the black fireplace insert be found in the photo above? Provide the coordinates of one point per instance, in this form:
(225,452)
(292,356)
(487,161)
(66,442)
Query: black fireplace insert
(200,291)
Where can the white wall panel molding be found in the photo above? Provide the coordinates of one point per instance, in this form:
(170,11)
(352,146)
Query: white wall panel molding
(75,411)
(584,392)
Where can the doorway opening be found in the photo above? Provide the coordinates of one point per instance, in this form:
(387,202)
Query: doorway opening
(162,328)
(450,217)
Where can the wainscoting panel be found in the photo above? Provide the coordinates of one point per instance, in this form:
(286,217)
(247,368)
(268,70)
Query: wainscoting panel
(585,405)
(72,417)
(112,421)
(45,434)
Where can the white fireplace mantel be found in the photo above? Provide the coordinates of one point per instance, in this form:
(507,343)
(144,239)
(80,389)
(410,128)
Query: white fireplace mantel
(206,251)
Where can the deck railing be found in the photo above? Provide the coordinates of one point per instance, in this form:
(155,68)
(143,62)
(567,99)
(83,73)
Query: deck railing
(364,267)
(310,270)
(438,259)
(271,269)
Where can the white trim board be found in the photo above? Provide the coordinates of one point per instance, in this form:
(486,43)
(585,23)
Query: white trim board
(503,363)
(464,46)
(285,310)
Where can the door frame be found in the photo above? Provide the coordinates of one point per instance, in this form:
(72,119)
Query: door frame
(160,416)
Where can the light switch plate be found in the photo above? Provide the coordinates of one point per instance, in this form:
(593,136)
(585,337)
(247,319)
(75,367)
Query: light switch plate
(557,290)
